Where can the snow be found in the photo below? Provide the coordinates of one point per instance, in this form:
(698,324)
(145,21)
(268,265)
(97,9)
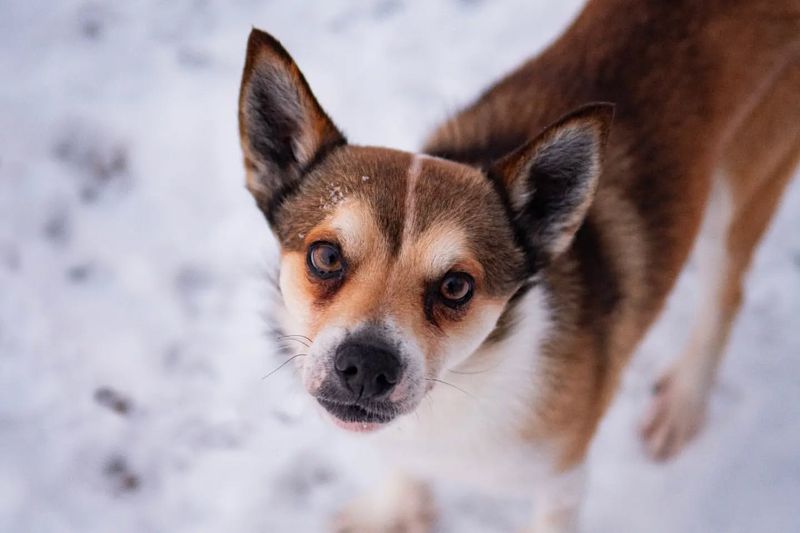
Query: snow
(133,280)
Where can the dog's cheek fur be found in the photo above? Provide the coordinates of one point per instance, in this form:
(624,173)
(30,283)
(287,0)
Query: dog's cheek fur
(447,343)
(460,339)
(295,292)
(313,305)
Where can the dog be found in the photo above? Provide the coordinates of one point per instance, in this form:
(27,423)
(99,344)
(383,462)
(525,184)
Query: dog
(472,306)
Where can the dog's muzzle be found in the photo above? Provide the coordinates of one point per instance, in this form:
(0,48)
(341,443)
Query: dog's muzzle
(365,372)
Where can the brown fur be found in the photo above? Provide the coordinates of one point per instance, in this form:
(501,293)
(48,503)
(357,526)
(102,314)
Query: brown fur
(700,88)
(683,78)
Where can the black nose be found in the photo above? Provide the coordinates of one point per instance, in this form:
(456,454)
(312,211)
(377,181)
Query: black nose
(368,371)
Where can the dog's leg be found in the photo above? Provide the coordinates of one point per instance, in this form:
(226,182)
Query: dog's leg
(557,502)
(401,505)
(679,396)
(759,161)
(736,225)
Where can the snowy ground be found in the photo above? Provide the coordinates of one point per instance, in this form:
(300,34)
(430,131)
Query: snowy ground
(131,280)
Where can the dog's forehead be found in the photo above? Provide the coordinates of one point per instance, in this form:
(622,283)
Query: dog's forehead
(373,177)
(414,202)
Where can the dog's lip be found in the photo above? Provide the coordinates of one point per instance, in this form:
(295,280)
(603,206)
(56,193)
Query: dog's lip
(353,416)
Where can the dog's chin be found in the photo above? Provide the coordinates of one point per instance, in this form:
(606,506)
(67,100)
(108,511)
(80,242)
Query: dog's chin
(356,417)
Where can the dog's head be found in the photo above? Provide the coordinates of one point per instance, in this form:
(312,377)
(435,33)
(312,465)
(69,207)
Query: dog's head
(397,266)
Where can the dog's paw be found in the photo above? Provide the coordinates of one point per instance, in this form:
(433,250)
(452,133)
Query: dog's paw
(407,511)
(675,415)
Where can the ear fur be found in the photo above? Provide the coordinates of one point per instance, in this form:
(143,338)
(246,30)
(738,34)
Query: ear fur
(550,181)
(283,129)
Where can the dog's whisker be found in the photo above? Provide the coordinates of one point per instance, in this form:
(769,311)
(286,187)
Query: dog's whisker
(299,336)
(298,341)
(292,358)
(443,382)
(464,373)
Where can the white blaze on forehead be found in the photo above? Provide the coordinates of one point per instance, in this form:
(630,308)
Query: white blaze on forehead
(439,246)
(414,172)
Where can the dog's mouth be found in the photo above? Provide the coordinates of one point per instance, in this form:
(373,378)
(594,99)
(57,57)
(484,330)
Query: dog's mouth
(355,416)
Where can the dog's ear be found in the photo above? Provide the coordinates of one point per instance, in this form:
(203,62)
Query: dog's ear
(283,129)
(550,181)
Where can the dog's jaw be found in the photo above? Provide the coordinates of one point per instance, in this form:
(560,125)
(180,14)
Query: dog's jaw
(352,427)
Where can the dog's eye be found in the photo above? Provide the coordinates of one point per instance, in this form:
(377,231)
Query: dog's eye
(325,260)
(456,288)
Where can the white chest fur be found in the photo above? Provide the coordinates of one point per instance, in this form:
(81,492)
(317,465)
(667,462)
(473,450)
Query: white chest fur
(474,434)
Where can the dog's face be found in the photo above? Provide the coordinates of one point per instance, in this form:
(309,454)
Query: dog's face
(397,266)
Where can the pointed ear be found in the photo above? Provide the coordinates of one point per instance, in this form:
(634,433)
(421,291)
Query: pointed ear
(550,181)
(283,129)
